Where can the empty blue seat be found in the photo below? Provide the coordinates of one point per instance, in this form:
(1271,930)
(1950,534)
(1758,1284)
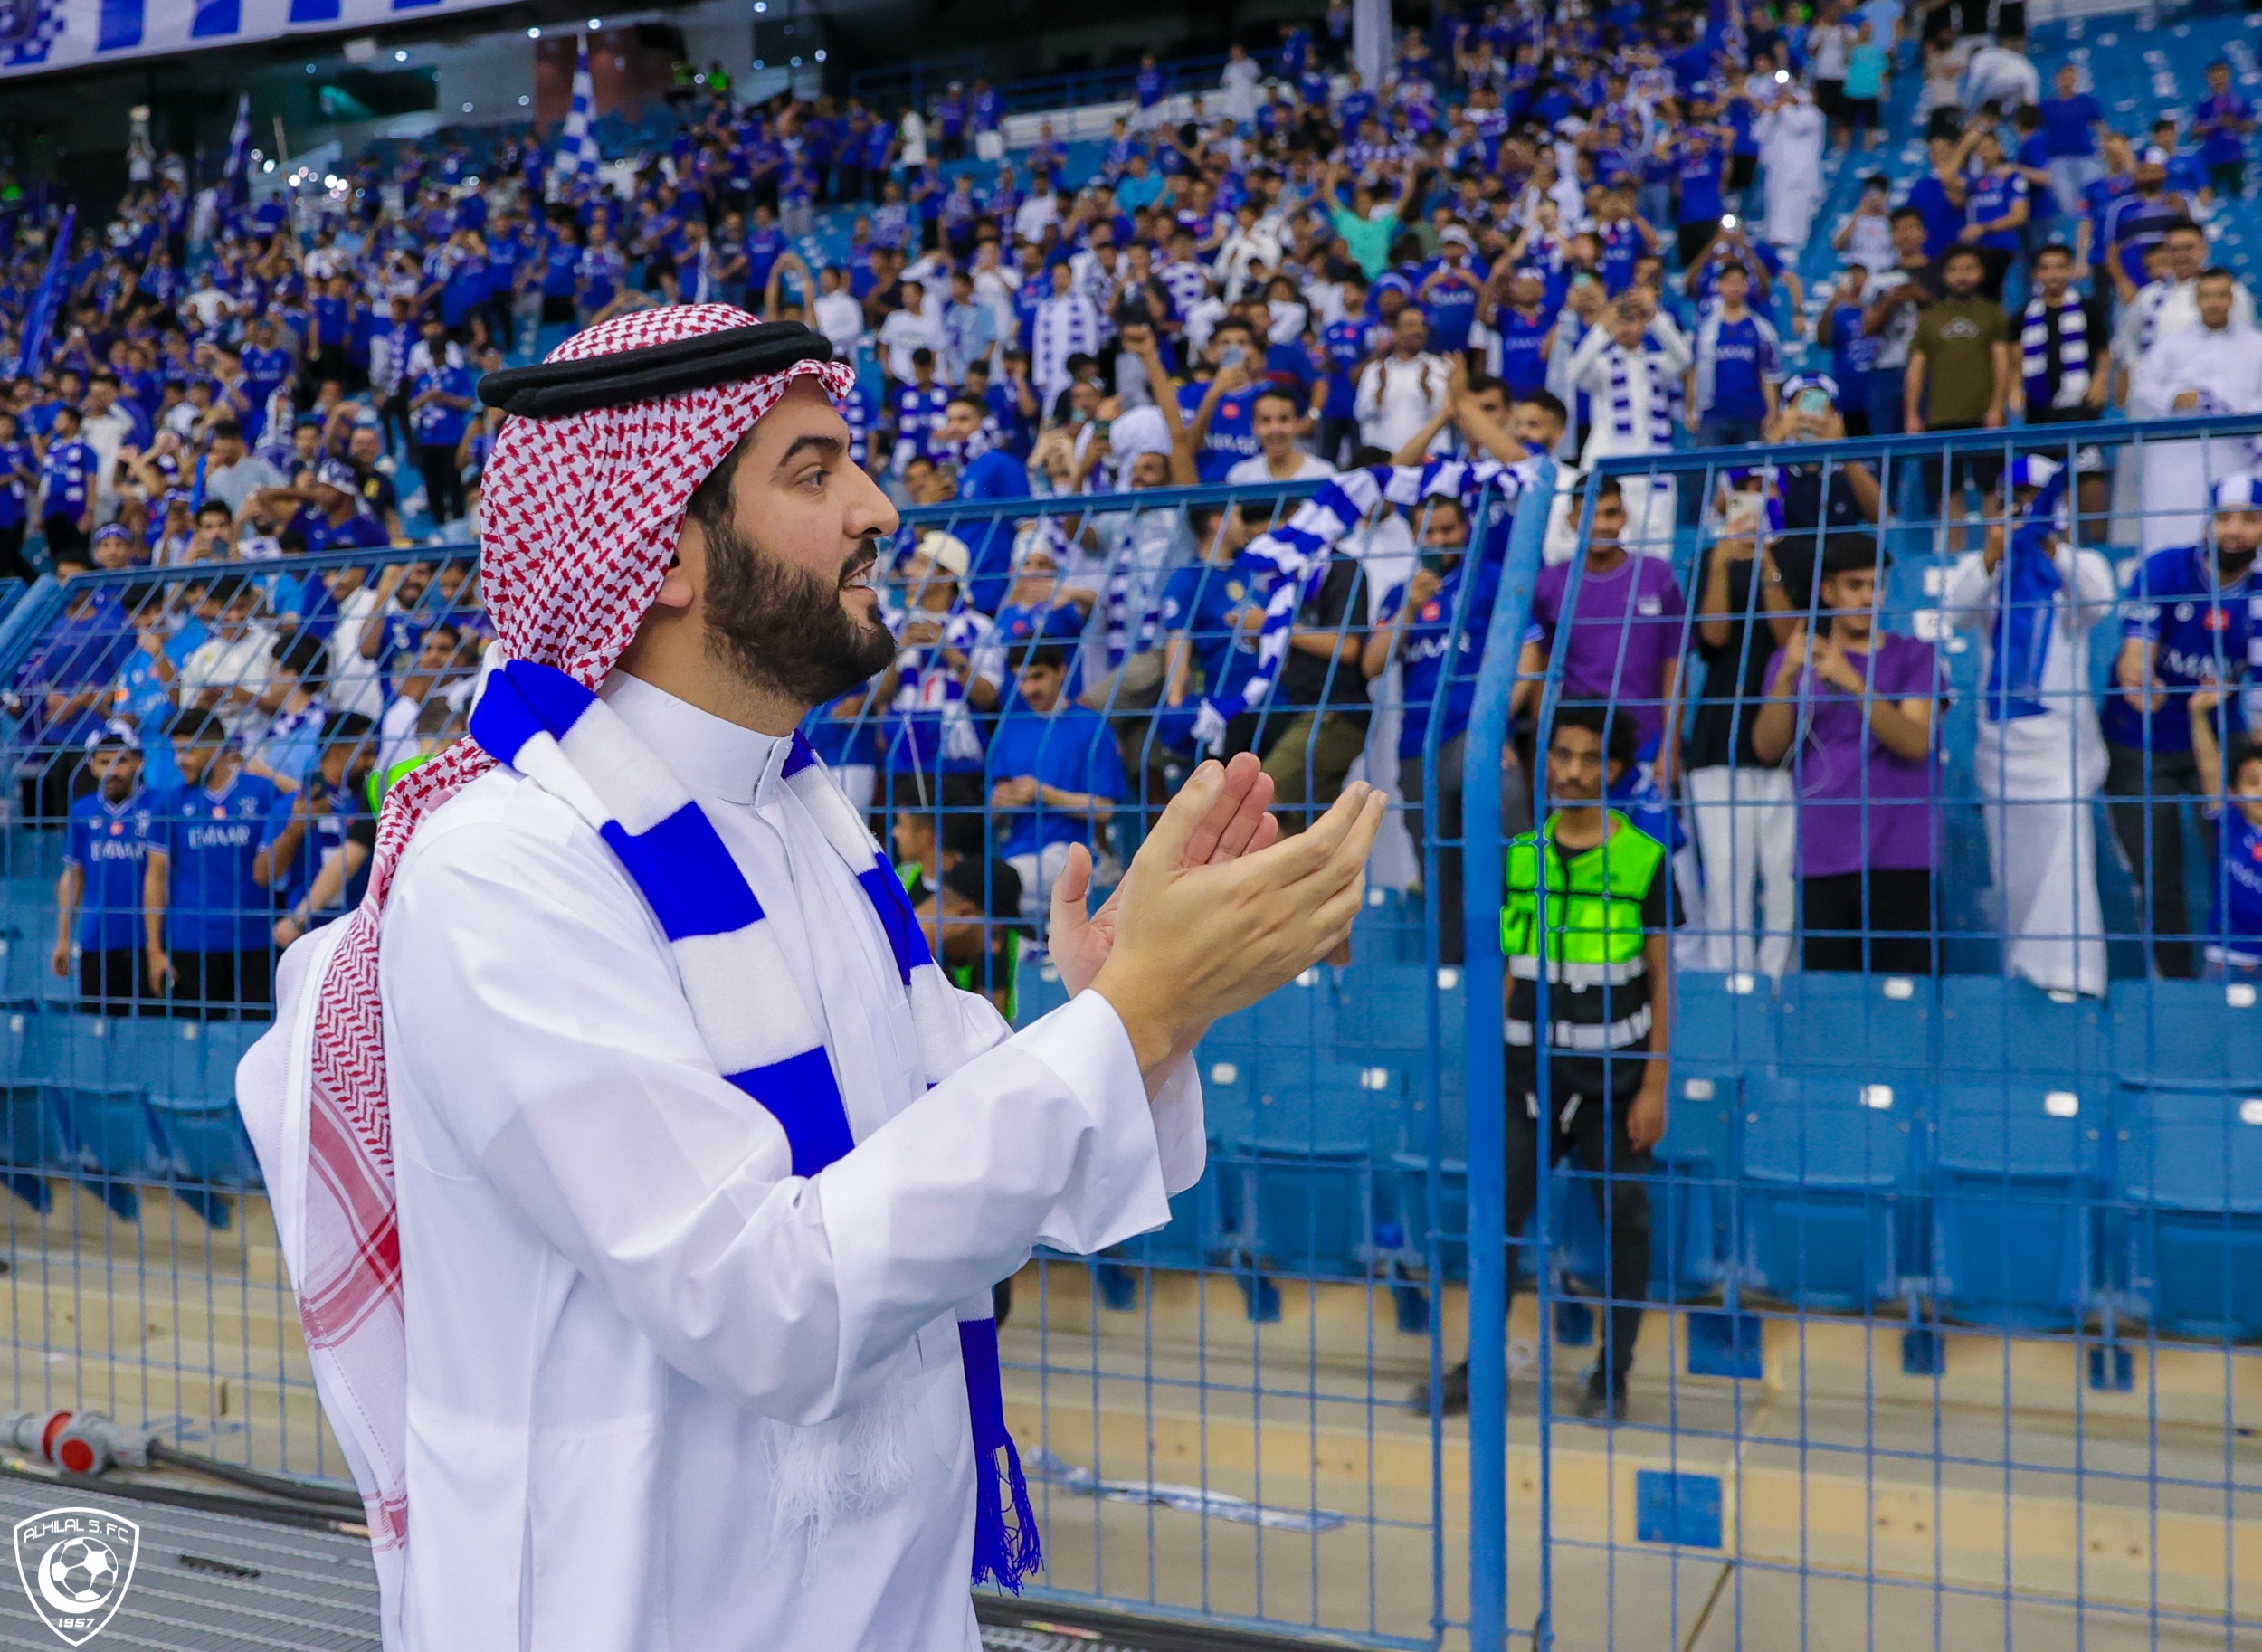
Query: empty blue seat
(1439,1213)
(1826,1164)
(2015,1167)
(32,1145)
(1723,1022)
(1299,1016)
(1873,1022)
(1383,1010)
(21,966)
(1315,1128)
(2189,1164)
(1992,1024)
(1038,988)
(2198,1034)
(1690,1246)
(114,1141)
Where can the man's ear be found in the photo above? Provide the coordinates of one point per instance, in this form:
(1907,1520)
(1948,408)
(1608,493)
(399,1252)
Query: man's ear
(687,569)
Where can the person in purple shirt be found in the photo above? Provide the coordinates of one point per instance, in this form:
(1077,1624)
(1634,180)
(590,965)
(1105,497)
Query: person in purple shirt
(1620,631)
(1854,710)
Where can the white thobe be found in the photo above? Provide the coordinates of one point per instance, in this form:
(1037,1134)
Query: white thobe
(1397,397)
(619,1298)
(2037,776)
(2226,369)
(1790,152)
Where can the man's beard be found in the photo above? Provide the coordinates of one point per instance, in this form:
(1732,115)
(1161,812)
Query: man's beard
(784,628)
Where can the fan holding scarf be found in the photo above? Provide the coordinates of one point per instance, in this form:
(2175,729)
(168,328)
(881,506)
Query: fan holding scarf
(641,1178)
(2033,597)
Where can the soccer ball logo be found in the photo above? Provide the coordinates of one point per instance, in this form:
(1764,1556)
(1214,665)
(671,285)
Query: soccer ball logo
(82,1570)
(76,1564)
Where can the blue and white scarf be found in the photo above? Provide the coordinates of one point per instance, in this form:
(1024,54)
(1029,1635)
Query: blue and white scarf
(2026,613)
(1622,397)
(2073,353)
(560,736)
(1293,559)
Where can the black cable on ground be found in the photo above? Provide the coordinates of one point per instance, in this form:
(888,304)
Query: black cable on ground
(275,1486)
(276,1509)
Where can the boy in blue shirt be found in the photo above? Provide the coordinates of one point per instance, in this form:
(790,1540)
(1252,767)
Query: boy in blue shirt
(2233,791)
(98,898)
(1737,367)
(205,912)
(1055,775)
(2186,627)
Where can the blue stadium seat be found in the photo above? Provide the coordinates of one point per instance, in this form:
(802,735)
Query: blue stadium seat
(1444,1212)
(2198,1034)
(1690,1248)
(2189,1165)
(1722,1022)
(1037,987)
(114,1141)
(1873,1022)
(1306,1158)
(1991,1025)
(33,1146)
(1383,1010)
(22,963)
(1826,1164)
(2013,1202)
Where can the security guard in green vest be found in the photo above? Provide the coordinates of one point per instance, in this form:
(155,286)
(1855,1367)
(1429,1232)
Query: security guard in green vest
(1602,925)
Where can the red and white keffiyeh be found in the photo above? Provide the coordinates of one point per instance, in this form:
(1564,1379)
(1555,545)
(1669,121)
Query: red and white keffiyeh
(580,517)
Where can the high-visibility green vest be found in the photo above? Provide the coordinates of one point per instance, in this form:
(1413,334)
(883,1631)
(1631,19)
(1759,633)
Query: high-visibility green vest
(1594,907)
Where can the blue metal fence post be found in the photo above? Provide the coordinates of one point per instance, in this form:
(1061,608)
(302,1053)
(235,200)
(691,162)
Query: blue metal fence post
(1487,1199)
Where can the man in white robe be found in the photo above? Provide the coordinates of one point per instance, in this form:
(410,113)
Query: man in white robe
(2040,755)
(2214,367)
(644,1384)
(1790,137)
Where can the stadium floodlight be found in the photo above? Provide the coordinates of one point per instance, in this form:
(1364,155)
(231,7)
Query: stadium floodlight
(796,63)
(597,22)
(466,109)
(309,68)
(400,55)
(761,5)
(534,31)
(820,54)
(524,99)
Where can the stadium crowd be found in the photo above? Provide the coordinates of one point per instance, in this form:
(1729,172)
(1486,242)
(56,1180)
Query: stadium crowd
(1565,232)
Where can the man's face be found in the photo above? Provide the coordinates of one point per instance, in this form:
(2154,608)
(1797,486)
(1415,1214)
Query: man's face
(1627,328)
(960,421)
(1908,238)
(2052,274)
(194,759)
(1040,687)
(117,769)
(1444,528)
(1534,426)
(1610,519)
(1575,766)
(2187,254)
(365,446)
(1961,277)
(1851,595)
(2215,300)
(1412,331)
(784,588)
(2238,535)
(1275,424)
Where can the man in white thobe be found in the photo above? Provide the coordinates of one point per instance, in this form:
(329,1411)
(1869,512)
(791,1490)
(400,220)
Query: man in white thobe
(655,1388)
(2040,755)
(1790,137)
(2214,367)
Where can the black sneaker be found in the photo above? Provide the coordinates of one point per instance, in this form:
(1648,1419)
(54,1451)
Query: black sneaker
(1602,1398)
(1451,1398)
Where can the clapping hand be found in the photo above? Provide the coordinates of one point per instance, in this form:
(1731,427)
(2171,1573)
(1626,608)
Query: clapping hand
(1236,824)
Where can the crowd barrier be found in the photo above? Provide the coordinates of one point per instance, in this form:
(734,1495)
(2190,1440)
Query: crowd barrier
(1951,1287)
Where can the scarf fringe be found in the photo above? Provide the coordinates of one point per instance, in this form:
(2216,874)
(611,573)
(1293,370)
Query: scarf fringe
(1006,1551)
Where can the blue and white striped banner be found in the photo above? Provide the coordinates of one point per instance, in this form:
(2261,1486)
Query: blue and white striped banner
(39,35)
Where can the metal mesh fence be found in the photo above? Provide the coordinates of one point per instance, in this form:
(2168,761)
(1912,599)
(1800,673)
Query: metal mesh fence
(1926,1316)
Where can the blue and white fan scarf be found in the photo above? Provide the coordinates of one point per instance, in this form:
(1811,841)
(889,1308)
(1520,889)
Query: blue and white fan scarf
(1295,556)
(558,734)
(2026,613)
